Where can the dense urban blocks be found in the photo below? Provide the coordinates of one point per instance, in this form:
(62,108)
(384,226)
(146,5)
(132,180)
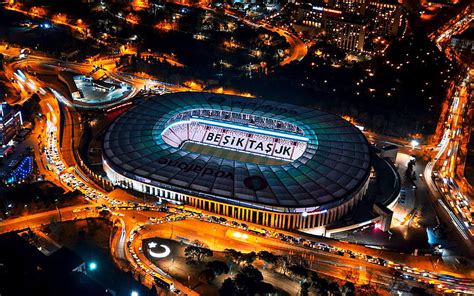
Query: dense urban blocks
(273,164)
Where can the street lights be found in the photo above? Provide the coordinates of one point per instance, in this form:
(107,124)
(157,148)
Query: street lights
(134,293)
(414,144)
(92,266)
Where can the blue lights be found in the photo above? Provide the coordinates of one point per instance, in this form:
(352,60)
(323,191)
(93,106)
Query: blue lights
(92,266)
(21,172)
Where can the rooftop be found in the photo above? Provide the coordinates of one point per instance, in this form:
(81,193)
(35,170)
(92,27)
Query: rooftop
(332,168)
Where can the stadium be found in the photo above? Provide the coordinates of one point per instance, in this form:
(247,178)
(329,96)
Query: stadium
(264,162)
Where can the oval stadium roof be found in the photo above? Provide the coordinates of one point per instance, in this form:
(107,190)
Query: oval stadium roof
(332,169)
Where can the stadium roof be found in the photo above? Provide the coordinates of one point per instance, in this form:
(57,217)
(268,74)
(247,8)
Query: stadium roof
(333,168)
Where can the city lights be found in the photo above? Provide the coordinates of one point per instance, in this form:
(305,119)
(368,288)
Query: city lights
(252,147)
(92,266)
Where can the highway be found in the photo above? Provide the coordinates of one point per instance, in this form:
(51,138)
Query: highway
(335,262)
(440,172)
(456,25)
(45,218)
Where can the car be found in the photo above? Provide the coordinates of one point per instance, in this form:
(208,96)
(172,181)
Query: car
(213,219)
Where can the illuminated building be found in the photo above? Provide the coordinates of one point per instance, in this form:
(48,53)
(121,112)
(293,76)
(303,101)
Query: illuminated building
(345,31)
(348,33)
(259,161)
(349,23)
(386,17)
(11,122)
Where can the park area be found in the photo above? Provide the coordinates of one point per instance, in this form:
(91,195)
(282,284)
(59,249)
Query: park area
(232,272)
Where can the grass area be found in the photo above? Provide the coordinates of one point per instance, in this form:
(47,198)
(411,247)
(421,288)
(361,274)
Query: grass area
(231,154)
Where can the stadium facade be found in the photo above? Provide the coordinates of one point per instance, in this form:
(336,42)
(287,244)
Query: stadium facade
(264,162)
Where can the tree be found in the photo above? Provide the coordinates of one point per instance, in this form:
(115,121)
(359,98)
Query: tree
(304,288)
(198,243)
(218,267)
(233,255)
(351,275)
(367,290)
(298,271)
(228,287)
(207,275)
(282,263)
(31,107)
(333,288)
(267,257)
(320,284)
(105,214)
(194,253)
(249,258)
(248,280)
(418,291)
(265,289)
(348,289)
(252,273)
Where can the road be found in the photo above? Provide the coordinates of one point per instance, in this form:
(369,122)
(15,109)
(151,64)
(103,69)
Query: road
(45,218)
(456,25)
(298,48)
(219,237)
(60,163)
(456,207)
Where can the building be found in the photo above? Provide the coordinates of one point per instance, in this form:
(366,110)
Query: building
(390,152)
(67,77)
(386,16)
(27,271)
(274,164)
(463,45)
(464,42)
(349,23)
(356,7)
(11,122)
(347,33)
